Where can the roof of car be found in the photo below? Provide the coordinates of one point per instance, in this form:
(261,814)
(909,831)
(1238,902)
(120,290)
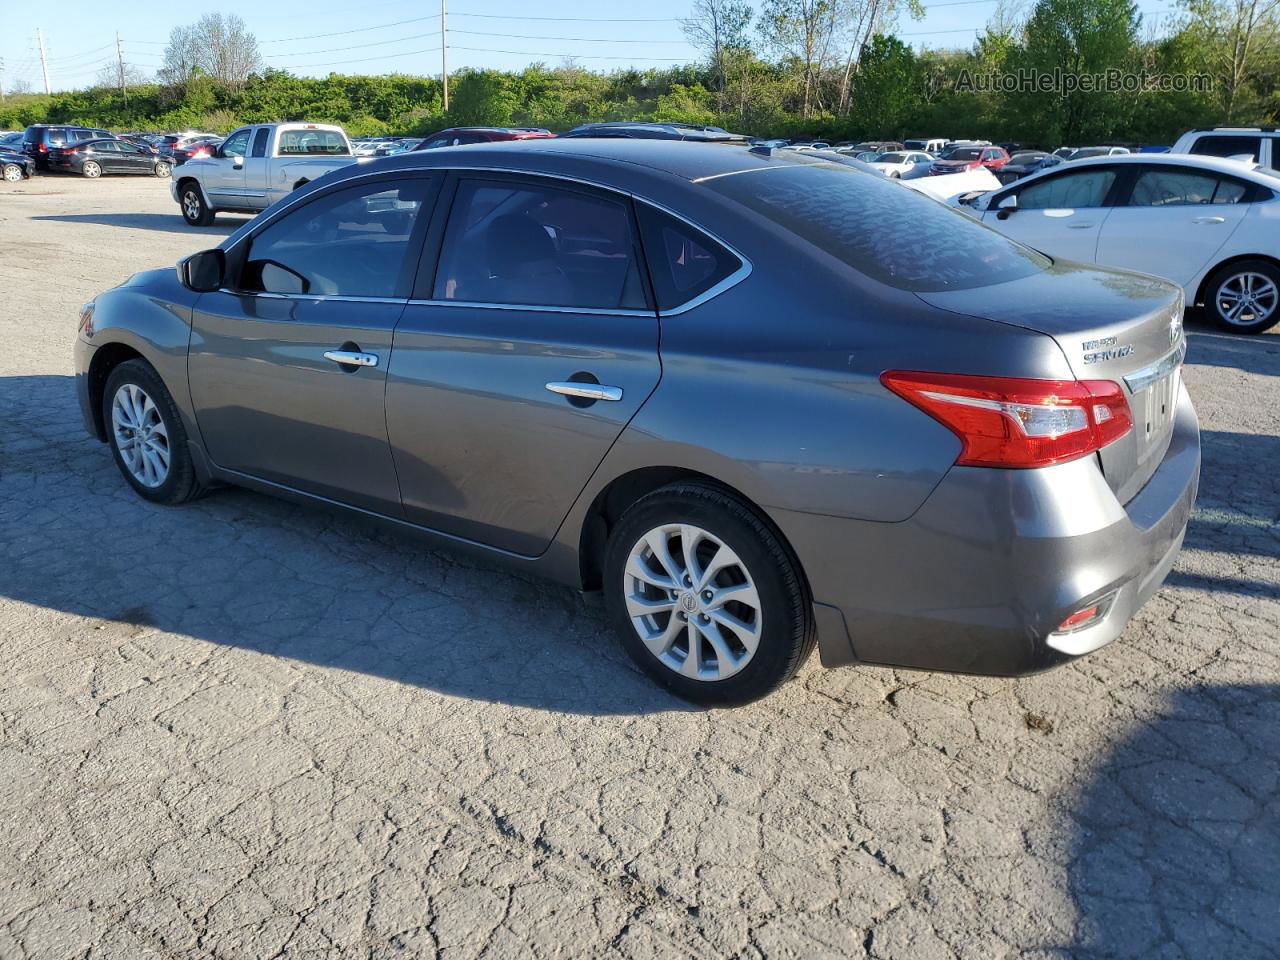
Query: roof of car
(684,159)
(1237,168)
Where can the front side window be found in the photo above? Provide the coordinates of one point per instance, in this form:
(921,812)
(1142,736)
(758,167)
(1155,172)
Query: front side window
(311,142)
(1162,188)
(520,244)
(885,231)
(352,243)
(1088,188)
(237,144)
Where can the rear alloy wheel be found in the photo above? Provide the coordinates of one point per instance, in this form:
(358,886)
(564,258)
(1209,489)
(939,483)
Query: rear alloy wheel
(1244,297)
(707,599)
(91,169)
(194,210)
(163,170)
(146,435)
(12,172)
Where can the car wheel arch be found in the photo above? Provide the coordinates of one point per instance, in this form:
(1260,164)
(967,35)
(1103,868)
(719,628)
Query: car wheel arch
(613,500)
(1212,271)
(105,359)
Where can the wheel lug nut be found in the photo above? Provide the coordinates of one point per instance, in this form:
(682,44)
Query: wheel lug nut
(688,580)
(704,618)
(683,615)
(707,594)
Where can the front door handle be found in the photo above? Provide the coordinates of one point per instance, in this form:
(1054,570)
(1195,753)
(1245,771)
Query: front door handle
(352,358)
(585,391)
(1209,220)
(1079,226)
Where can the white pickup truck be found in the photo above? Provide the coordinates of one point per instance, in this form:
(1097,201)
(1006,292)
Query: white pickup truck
(255,167)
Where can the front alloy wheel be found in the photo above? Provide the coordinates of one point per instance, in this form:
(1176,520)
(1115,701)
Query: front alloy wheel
(707,598)
(194,210)
(140,435)
(146,434)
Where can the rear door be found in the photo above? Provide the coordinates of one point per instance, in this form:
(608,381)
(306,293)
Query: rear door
(134,159)
(523,355)
(108,155)
(288,368)
(1172,221)
(1061,213)
(257,167)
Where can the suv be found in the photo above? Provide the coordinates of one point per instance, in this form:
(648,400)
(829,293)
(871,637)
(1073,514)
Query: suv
(1260,143)
(40,138)
(456,136)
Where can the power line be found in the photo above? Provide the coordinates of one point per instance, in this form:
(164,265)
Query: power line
(343,33)
(338,63)
(525,36)
(568,56)
(358,46)
(505,16)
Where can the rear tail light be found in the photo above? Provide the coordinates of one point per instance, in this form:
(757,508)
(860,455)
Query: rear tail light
(1012,422)
(44,148)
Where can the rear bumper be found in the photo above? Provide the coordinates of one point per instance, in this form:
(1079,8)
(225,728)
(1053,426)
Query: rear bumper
(978,580)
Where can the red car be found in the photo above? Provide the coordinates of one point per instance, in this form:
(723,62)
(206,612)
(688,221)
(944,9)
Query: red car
(960,159)
(454,136)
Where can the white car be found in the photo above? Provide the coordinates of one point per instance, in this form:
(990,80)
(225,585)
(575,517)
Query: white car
(1259,144)
(256,166)
(903,164)
(1209,224)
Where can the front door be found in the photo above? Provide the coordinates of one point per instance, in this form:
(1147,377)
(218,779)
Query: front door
(1061,214)
(288,369)
(522,363)
(224,180)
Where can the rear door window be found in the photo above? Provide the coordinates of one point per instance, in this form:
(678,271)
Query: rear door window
(882,229)
(1171,187)
(522,243)
(684,263)
(260,142)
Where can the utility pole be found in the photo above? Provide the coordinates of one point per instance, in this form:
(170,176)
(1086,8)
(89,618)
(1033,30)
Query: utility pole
(1,79)
(44,64)
(444,55)
(120,60)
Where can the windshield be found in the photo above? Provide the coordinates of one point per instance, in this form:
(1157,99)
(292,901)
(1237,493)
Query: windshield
(883,230)
(914,144)
(962,153)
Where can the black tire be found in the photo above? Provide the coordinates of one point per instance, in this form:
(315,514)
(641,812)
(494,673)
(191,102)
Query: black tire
(180,484)
(787,633)
(194,210)
(12,173)
(1229,275)
(163,169)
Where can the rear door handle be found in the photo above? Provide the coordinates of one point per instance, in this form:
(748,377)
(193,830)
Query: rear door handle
(1209,220)
(1079,226)
(351,358)
(585,391)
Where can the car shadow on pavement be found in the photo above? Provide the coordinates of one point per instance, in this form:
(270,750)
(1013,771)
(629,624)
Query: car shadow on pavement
(240,570)
(1252,354)
(167,223)
(1176,848)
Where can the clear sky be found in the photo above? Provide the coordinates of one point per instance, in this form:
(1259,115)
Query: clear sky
(312,37)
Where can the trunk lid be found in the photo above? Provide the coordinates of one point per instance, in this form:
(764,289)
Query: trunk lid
(1111,325)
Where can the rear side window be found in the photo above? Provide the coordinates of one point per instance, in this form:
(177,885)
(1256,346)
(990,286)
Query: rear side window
(884,230)
(535,245)
(352,243)
(684,262)
(309,142)
(260,142)
(1162,188)
(1229,147)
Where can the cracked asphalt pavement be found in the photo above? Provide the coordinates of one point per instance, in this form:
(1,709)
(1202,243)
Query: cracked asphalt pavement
(241,728)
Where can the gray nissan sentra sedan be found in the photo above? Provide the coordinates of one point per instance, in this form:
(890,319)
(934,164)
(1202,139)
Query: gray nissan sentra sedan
(760,400)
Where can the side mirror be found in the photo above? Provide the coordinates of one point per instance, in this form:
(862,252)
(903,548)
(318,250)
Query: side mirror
(1006,207)
(203,272)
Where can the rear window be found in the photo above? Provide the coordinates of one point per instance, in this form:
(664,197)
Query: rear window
(965,153)
(1229,147)
(684,262)
(308,142)
(882,229)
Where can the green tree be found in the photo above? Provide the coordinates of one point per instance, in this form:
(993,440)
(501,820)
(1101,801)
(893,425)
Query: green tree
(887,89)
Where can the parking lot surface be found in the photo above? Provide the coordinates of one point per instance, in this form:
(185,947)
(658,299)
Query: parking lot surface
(242,728)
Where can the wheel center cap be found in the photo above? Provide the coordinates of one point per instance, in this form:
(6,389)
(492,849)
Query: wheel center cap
(689,602)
